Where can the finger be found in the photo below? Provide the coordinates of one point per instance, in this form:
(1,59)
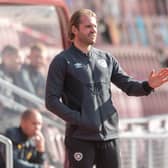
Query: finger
(152,73)
(37,138)
(163,71)
(164,80)
(163,75)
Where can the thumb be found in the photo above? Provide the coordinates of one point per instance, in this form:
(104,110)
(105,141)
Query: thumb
(152,73)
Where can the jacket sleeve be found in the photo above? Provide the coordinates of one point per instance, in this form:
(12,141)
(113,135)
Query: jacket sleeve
(54,91)
(128,84)
(40,157)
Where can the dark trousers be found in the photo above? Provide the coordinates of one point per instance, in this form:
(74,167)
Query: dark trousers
(85,154)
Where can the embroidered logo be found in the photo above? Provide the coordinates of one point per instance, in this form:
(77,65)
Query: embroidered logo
(78,156)
(78,65)
(102,63)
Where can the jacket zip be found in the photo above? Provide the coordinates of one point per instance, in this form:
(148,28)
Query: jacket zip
(101,112)
(97,93)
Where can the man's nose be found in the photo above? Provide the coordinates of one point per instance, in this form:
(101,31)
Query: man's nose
(94,29)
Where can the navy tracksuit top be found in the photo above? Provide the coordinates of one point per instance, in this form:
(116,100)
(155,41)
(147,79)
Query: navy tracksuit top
(78,90)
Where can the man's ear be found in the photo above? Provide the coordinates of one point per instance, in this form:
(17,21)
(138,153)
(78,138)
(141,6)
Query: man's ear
(74,29)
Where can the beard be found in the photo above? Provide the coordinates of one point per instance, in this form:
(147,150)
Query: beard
(88,40)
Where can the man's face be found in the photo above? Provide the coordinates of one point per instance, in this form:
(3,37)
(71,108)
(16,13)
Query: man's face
(37,59)
(13,62)
(86,33)
(32,125)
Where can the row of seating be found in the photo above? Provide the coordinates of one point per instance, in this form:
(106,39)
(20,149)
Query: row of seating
(138,62)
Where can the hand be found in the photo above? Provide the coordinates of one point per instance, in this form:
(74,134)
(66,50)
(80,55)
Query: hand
(39,141)
(156,79)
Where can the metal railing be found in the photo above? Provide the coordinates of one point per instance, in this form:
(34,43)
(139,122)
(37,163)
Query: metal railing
(29,97)
(144,150)
(8,151)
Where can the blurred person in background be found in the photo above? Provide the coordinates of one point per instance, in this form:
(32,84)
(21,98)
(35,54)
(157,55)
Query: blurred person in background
(81,76)
(28,141)
(36,67)
(11,70)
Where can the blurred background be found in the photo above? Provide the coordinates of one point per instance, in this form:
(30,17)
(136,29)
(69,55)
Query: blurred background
(134,31)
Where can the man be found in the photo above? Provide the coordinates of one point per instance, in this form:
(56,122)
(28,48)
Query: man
(11,70)
(28,141)
(81,76)
(37,60)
